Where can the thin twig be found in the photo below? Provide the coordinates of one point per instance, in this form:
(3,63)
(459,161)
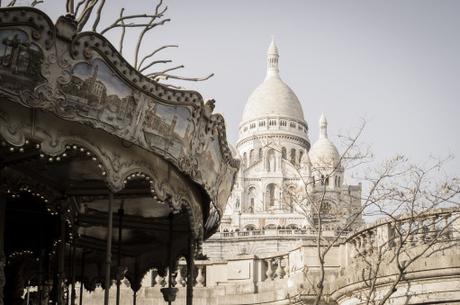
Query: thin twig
(151,25)
(77,8)
(154,63)
(193,79)
(84,17)
(123,32)
(156,51)
(98,15)
(171,69)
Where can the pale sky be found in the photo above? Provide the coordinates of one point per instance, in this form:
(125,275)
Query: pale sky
(396,63)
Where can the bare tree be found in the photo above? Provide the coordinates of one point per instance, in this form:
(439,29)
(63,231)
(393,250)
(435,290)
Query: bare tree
(142,25)
(417,225)
(145,23)
(408,196)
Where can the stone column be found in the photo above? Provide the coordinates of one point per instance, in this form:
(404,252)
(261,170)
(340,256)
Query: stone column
(2,250)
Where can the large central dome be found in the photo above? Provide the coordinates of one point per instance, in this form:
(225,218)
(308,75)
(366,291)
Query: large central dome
(273,97)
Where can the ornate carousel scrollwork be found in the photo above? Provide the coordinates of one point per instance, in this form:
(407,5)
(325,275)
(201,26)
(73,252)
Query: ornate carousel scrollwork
(105,173)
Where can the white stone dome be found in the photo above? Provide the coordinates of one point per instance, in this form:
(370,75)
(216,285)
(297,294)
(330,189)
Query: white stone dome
(273,97)
(324,154)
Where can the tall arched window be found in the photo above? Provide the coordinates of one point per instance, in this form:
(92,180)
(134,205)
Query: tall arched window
(300,156)
(290,198)
(260,153)
(283,152)
(270,195)
(251,157)
(245,160)
(251,197)
(237,203)
(293,156)
(271,161)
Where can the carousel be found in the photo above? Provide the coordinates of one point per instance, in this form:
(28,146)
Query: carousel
(105,174)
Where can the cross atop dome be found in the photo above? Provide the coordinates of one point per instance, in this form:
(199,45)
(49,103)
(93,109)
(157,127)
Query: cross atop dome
(272,59)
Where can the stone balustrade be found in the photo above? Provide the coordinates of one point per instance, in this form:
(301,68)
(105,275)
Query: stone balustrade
(432,238)
(407,230)
(267,232)
(179,276)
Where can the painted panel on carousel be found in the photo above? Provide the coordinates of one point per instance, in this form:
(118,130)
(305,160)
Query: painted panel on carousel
(20,61)
(167,127)
(96,92)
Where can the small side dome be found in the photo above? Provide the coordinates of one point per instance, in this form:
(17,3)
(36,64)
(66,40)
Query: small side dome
(323,153)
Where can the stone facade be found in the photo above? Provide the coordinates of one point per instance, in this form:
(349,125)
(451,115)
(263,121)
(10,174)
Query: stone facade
(268,210)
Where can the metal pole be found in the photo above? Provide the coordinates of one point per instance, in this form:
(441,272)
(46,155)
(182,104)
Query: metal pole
(190,271)
(170,254)
(61,260)
(28,294)
(82,272)
(120,226)
(108,254)
(2,251)
(73,272)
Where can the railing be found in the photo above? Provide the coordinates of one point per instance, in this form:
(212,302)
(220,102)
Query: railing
(266,232)
(276,267)
(271,268)
(407,230)
(179,276)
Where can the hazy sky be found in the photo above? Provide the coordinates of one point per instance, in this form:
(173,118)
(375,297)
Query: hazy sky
(396,63)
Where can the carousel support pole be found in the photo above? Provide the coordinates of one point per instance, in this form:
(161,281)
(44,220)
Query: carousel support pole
(190,271)
(108,254)
(135,287)
(61,260)
(40,268)
(73,273)
(82,272)
(120,227)
(170,267)
(2,250)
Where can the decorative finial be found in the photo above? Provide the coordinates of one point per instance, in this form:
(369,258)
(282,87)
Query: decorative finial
(272,59)
(322,127)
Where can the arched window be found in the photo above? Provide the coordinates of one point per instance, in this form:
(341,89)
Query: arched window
(293,156)
(283,152)
(325,208)
(260,153)
(245,159)
(270,195)
(237,203)
(290,198)
(251,157)
(251,197)
(271,161)
(337,181)
(250,228)
(300,156)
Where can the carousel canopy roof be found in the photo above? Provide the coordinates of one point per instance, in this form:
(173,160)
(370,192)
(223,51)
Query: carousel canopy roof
(77,122)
